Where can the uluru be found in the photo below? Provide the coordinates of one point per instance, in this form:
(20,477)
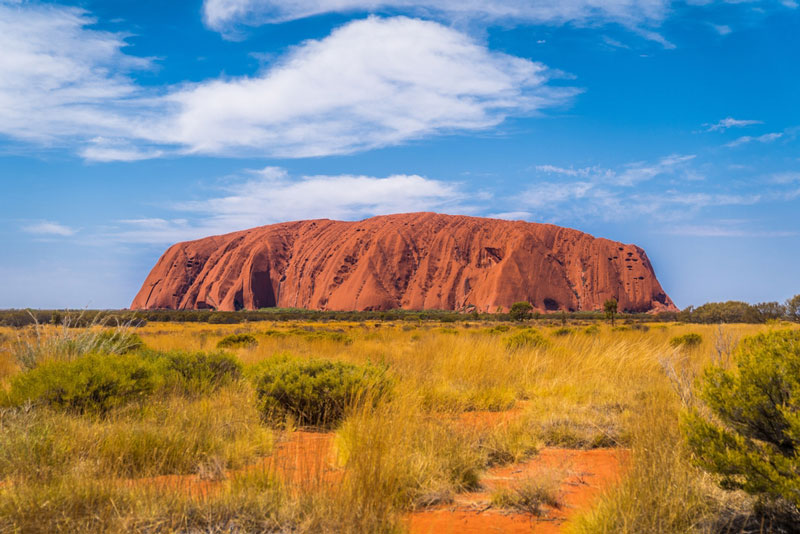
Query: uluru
(410,261)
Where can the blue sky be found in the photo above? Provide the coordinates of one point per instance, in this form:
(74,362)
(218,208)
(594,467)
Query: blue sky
(127,126)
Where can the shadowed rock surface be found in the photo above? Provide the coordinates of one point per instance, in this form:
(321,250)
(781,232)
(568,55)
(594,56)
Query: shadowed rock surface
(412,261)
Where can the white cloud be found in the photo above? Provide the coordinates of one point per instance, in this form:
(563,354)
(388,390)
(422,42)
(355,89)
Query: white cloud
(271,196)
(57,77)
(664,190)
(371,83)
(512,215)
(635,173)
(614,43)
(785,177)
(222,14)
(722,29)
(549,194)
(640,16)
(630,174)
(571,171)
(49,228)
(730,122)
(766,138)
(725,230)
(102,149)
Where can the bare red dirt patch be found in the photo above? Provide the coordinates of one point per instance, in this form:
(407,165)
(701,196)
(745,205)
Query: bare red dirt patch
(306,459)
(300,459)
(588,473)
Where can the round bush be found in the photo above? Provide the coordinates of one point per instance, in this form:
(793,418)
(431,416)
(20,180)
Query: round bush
(687,340)
(313,392)
(197,372)
(88,384)
(237,340)
(526,339)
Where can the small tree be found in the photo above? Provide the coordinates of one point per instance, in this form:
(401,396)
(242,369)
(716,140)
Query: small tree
(520,311)
(610,307)
(748,430)
(770,310)
(793,308)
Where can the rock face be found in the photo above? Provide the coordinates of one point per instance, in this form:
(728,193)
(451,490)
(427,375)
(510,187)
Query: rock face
(412,261)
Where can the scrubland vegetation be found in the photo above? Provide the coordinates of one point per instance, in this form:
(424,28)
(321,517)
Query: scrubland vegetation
(709,313)
(169,427)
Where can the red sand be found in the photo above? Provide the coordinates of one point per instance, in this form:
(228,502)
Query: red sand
(306,458)
(589,473)
(301,459)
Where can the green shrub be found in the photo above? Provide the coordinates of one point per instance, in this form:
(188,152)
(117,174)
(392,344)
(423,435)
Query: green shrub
(591,330)
(498,329)
(196,372)
(275,333)
(563,331)
(92,383)
(237,340)
(526,339)
(313,392)
(325,335)
(751,437)
(687,340)
(313,335)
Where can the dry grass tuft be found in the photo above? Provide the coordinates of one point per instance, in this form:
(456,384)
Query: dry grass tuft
(531,495)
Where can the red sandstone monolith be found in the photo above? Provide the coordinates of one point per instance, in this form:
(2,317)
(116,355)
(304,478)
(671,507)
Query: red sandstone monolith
(412,261)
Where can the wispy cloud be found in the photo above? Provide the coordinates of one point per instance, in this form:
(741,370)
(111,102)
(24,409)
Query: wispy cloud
(568,171)
(643,17)
(58,78)
(102,149)
(730,122)
(49,228)
(614,43)
(726,230)
(513,215)
(628,175)
(785,177)
(722,29)
(766,138)
(271,195)
(223,14)
(664,190)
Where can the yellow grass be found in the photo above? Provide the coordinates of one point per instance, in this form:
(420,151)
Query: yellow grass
(618,387)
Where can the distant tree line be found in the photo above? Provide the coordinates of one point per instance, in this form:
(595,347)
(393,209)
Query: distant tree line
(734,311)
(713,312)
(82,318)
